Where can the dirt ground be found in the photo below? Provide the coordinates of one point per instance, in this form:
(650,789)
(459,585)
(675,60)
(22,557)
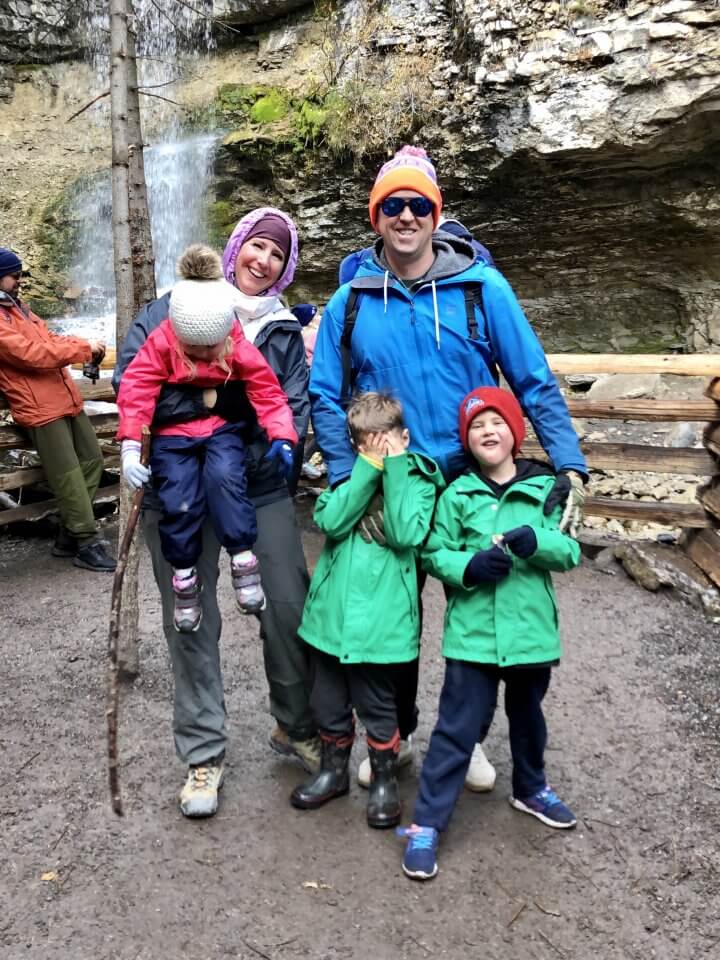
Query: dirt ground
(634,718)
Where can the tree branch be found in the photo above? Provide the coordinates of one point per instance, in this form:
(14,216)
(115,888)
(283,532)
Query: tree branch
(77,113)
(158,97)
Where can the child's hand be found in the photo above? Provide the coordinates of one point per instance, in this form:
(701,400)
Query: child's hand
(374,445)
(522,541)
(394,445)
(487,566)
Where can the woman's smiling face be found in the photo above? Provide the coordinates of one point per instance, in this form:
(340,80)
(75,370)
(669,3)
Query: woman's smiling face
(258,266)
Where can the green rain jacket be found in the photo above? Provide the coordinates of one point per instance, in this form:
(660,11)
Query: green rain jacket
(515,621)
(362,606)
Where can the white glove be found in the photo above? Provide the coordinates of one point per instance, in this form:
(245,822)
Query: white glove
(133,471)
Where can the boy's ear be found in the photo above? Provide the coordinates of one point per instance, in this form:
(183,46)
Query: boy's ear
(406,437)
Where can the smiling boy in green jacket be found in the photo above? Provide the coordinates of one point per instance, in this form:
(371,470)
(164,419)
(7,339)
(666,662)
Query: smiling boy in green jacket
(493,546)
(362,612)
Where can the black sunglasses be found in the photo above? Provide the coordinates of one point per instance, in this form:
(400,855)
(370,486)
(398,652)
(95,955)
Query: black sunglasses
(419,206)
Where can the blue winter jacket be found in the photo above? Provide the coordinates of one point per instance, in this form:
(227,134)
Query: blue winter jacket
(417,346)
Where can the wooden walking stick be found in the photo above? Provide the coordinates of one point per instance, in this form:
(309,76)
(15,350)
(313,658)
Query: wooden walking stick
(113,686)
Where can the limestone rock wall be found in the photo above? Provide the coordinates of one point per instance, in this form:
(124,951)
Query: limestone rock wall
(580,140)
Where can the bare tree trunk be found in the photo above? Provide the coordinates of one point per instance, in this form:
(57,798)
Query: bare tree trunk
(134,261)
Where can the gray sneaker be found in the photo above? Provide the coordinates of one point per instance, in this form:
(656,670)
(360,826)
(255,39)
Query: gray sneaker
(199,796)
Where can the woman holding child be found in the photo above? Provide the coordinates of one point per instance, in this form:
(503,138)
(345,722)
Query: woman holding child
(259,260)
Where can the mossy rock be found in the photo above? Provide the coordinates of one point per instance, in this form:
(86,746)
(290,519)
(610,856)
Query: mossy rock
(221,219)
(271,108)
(236,99)
(311,121)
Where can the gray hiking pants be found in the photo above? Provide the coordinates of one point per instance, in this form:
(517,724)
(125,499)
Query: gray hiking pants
(199,714)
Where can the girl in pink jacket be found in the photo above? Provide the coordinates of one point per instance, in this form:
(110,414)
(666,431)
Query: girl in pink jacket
(198,467)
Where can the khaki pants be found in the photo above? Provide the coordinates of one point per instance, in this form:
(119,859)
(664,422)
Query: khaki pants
(72,460)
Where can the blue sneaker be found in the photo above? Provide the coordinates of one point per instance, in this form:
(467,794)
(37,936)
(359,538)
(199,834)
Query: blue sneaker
(547,806)
(419,861)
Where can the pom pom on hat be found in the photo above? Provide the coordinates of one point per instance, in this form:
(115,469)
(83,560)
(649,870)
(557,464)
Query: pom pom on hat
(409,169)
(202,312)
(492,398)
(199,262)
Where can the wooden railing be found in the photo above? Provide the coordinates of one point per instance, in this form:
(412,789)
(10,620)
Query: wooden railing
(700,520)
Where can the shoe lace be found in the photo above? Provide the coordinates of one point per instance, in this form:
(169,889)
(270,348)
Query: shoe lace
(548,797)
(200,777)
(421,839)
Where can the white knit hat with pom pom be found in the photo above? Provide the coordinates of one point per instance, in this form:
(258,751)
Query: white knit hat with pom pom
(202,305)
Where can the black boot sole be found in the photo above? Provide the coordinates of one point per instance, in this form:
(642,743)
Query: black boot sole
(300,803)
(384,823)
(88,566)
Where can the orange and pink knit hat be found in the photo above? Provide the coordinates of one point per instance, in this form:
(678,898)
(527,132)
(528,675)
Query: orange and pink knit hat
(409,169)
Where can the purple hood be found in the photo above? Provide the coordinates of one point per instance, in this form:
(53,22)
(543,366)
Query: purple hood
(237,238)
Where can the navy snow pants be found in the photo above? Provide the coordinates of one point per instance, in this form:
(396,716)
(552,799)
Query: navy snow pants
(467,706)
(196,477)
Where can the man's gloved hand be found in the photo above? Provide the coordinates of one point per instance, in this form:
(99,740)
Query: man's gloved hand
(133,471)
(487,566)
(372,526)
(281,454)
(569,489)
(521,540)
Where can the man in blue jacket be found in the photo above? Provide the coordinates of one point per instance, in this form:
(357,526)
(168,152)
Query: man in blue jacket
(429,321)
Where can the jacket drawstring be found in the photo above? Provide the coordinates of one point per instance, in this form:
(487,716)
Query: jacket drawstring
(437,315)
(385,286)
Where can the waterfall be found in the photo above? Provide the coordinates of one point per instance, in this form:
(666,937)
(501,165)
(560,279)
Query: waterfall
(177,165)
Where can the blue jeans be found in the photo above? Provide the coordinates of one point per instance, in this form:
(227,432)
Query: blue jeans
(467,706)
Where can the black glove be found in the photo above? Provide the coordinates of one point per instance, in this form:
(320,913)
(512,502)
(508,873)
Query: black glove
(522,541)
(232,403)
(487,566)
(558,494)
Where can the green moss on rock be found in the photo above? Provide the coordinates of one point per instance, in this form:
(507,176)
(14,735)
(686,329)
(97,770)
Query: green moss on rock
(271,108)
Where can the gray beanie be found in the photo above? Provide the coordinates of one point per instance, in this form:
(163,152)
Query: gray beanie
(202,311)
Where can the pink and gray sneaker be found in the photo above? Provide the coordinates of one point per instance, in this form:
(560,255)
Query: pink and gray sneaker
(246,583)
(187,612)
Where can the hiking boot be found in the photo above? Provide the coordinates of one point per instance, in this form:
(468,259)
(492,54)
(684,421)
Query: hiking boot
(65,545)
(187,612)
(480,777)
(311,472)
(306,751)
(404,759)
(247,586)
(547,806)
(420,860)
(94,556)
(383,809)
(332,780)
(199,796)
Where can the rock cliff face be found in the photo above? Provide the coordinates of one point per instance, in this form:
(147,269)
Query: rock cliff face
(580,140)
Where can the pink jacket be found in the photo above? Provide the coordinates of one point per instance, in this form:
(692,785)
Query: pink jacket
(160,360)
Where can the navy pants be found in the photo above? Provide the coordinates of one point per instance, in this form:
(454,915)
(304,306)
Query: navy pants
(467,706)
(198,477)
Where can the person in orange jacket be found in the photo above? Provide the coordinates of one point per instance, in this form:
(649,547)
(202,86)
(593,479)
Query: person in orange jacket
(45,402)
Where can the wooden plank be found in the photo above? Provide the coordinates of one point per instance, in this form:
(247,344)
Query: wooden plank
(26,476)
(101,390)
(652,410)
(672,514)
(11,438)
(638,458)
(703,548)
(682,365)
(36,511)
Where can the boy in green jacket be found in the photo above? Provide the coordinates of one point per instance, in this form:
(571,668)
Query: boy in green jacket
(494,548)
(362,612)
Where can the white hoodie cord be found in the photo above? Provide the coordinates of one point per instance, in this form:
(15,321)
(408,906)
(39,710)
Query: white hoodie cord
(437,316)
(385,288)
